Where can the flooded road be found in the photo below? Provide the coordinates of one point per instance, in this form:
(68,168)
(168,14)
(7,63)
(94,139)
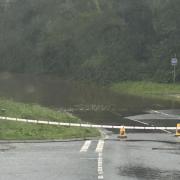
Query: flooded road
(146,156)
(88,101)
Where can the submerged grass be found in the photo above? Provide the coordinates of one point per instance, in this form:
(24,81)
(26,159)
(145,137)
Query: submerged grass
(21,131)
(149,89)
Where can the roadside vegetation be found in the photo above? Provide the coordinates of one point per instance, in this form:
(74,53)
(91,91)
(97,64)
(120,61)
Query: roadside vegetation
(148,89)
(19,130)
(94,40)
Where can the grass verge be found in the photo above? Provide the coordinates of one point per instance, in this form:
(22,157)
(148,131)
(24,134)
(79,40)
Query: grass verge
(22,131)
(149,89)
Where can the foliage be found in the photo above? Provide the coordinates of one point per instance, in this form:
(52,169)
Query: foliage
(102,41)
(148,89)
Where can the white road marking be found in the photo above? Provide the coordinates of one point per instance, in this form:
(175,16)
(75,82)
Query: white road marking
(141,122)
(100,146)
(132,119)
(100,177)
(149,124)
(99,150)
(85,146)
(100,166)
(166,131)
(158,112)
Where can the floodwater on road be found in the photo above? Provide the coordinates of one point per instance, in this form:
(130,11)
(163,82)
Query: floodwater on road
(88,101)
(146,156)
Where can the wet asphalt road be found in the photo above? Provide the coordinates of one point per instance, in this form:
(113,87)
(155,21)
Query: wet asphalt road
(141,156)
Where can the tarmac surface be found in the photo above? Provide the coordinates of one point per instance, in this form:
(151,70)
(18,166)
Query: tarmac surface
(142,156)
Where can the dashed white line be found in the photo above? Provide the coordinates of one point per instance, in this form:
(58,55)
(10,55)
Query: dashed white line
(85,146)
(99,150)
(100,177)
(100,146)
(100,166)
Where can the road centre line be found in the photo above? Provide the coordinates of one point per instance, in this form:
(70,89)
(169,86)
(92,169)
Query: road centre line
(85,146)
(100,166)
(99,149)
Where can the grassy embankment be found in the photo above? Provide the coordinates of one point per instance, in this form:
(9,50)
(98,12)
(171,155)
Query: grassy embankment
(149,89)
(21,131)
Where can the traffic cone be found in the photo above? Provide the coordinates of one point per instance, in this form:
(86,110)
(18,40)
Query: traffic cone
(122,132)
(178,130)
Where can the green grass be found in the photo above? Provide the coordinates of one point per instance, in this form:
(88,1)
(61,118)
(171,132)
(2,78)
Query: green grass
(148,89)
(21,131)
(31,111)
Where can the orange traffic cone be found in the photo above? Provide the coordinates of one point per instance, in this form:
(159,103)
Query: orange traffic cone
(122,133)
(178,130)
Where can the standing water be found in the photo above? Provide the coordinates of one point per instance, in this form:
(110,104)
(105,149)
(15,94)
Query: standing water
(90,102)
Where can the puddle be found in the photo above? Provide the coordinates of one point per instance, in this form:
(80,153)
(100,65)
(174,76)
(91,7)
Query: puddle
(146,173)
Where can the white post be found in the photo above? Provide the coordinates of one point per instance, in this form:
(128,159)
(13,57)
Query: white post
(174,79)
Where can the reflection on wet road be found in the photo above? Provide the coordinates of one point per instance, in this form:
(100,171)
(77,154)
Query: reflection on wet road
(142,157)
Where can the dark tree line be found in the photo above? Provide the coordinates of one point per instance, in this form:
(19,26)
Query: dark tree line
(98,40)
